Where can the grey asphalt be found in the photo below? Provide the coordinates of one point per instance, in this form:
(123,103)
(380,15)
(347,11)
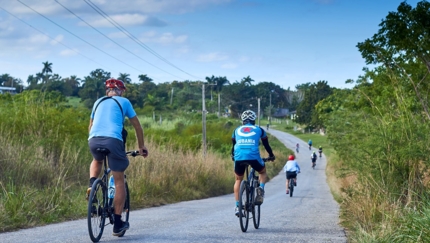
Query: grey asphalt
(311,215)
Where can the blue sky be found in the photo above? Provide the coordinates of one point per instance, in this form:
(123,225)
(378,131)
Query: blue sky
(287,42)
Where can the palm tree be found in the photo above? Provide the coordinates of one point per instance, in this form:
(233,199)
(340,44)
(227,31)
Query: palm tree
(47,68)
(212,82)
(144,78)
(247,81)
(125,77)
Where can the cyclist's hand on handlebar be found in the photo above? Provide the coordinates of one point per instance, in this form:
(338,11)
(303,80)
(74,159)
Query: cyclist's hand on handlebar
(271,158)
(143,151)
(232,157)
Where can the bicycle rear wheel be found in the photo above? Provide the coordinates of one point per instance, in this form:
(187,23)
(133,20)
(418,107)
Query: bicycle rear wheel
(291,187)
(244,206)
(126,210)
(256,212)
(96,210)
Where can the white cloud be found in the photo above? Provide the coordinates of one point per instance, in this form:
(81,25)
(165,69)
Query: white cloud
(37,39)
(57,39)
(123,20)
(229,66)
(212,57)
(165,38)
(68,52)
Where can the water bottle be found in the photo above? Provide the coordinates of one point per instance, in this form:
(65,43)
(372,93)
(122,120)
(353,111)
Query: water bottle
(111,191)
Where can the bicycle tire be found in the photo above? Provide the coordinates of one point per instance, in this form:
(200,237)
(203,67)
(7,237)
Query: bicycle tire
(256,212)
(244,206)
(291,185)
(96,215)
(126,210)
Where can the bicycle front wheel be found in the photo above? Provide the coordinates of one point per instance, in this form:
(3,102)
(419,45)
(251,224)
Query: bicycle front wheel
(126,210)
(244,205)
(97,203)
(256,213)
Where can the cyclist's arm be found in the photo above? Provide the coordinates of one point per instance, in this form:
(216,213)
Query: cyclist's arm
(139,134)
(233,141)
(91,124)
(267,146)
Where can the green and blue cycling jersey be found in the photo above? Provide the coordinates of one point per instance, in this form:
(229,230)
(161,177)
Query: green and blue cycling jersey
(246,140)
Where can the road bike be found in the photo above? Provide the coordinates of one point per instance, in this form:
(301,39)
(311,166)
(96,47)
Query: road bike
(247,193)
(100,206)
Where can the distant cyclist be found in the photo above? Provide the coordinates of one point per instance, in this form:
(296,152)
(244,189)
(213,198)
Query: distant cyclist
(320,151)
(291,170)
(314,159)
(297,147)
(246,139)
(310,144)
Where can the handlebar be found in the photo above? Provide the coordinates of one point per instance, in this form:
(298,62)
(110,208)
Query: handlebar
(268,159)
(135,153)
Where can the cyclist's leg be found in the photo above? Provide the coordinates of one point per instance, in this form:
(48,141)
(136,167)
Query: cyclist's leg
(96,163)
(118,163)
(239,170)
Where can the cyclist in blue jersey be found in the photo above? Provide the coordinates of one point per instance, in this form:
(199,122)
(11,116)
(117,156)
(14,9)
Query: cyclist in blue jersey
(246,139)
(106,130)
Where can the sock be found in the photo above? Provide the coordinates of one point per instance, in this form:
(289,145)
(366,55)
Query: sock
(237,203)
(262,185)
(117,221)
(92,180)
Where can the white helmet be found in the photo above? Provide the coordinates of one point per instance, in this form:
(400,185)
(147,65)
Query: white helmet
(248,116)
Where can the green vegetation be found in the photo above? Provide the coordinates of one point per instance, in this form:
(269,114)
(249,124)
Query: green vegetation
(45,161)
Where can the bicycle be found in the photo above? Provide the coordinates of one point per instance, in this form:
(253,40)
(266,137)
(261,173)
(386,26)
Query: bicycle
(291,185)
(247,193)
(100,206)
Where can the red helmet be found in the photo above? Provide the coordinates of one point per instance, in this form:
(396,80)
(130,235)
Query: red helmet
(291,157)
(115,83)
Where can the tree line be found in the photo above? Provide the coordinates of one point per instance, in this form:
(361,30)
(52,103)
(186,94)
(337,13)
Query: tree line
(183,96)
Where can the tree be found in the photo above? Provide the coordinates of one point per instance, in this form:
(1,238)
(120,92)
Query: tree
(125,77)
(402,45)
(47,68)
(247,81)
(306,113)
(94,86)
(144,78)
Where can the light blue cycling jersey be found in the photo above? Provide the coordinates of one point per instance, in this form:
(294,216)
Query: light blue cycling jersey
(291,166)
(247,140)
(108,120)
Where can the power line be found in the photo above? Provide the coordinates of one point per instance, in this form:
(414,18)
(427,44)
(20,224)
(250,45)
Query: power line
(131,36)
(52,38)
(78,37)
(113,40)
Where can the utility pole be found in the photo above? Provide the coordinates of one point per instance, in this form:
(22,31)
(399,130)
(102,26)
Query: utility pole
(204,120)
(258,111)
(219,105)
(270,107)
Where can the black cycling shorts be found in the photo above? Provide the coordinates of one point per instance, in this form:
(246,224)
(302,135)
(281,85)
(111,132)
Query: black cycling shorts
(291,174)
(240,165)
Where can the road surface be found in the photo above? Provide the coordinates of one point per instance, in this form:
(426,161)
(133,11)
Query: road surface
(311,215)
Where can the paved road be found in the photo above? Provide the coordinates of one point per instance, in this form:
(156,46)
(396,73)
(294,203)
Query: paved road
(311,215)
